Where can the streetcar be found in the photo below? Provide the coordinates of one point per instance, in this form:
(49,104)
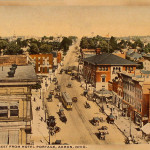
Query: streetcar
(66,100)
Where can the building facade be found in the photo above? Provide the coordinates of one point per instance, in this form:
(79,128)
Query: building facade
(43,63)
(15,104)
(100,69)
(131,95)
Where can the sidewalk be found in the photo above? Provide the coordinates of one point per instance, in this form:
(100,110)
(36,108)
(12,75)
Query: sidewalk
(123,124)
(39,127)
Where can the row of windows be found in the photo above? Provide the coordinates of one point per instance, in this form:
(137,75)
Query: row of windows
(44,58)
(42,69)
(132,101)
(103,68)
(128,68)
(9,110)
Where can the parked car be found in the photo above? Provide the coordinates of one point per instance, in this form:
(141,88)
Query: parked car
(75,99)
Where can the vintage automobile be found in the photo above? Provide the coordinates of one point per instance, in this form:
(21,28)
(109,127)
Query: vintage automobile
(101,135)
(75,99)
(51,92)
(95,121)
(57,95)
(57,142)
(57,88)
(49,99)
(69,85)
(62,115)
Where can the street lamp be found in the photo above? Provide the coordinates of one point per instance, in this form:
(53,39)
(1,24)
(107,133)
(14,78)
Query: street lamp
(40,93)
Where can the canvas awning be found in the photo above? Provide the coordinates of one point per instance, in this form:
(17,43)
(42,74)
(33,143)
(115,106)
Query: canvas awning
(103,93)
(146,129)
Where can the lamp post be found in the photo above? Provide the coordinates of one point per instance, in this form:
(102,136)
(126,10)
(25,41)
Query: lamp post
(130,125)
(40,93)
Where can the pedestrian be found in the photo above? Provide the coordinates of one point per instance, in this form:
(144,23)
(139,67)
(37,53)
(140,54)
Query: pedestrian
(39,108)
(34,99)
(41,118)
(116,117)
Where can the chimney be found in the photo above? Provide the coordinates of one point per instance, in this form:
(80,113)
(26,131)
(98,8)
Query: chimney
(12,70)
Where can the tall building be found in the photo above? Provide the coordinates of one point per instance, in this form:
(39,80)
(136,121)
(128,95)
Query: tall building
(15,103)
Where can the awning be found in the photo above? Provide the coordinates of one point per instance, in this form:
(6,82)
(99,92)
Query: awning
(103,93)
(146,129)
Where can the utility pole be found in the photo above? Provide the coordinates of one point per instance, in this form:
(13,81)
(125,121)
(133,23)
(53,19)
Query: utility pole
(130,125)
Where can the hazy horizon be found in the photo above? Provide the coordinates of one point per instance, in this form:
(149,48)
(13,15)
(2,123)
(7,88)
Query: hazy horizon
(64,17)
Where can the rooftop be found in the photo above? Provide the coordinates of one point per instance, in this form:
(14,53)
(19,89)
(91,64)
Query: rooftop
(108,59)
(22,73)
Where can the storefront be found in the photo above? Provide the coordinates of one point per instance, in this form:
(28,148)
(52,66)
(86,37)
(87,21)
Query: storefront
(124,109)
(138,119)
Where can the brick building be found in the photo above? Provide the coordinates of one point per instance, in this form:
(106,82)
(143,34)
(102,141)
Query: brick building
(43,63)
(19,60)
(131,95)
(15,104)
(100,69)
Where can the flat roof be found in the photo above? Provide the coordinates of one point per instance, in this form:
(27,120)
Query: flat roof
(22,73)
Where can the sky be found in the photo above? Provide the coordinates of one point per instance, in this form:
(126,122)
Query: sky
(74,17)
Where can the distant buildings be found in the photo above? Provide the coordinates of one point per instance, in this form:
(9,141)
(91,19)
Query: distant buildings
(89,52)
(6,60)
(15,104)
(100,69)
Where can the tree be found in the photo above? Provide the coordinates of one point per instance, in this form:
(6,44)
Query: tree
(3,44)
(66,42)
(13,49)
(33,49)
(45,48)
(84,43)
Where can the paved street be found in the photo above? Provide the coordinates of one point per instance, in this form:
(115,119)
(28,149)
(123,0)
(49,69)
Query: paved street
(78,129)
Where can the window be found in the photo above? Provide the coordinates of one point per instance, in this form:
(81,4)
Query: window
(14,110)
(103,78)
(9,109)
(3,111)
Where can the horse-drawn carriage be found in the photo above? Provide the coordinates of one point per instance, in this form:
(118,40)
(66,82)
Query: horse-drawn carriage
(102,132)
